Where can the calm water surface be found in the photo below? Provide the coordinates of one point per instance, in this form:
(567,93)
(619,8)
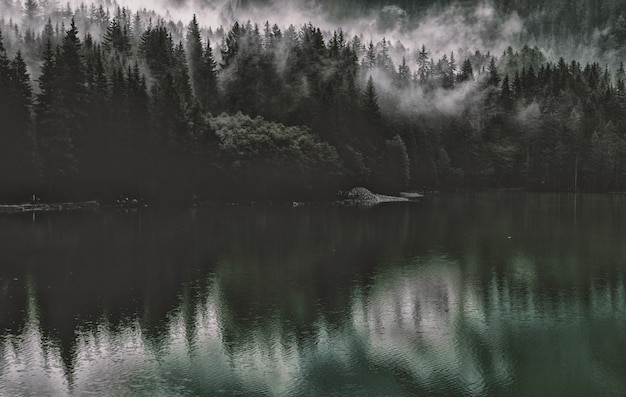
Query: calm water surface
(476,295)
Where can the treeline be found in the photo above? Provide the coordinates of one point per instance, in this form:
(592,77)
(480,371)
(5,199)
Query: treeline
(294,113)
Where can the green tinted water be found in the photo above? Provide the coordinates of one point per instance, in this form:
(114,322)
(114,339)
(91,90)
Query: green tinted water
(479,294)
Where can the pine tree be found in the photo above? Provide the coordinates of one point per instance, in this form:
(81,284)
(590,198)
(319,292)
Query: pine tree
(404,75)
(444,73)
(423,65)
(48,35)
(493,78)
(230,45)
(138,105)
(467,72)
(370,56)
(181,77)
(168,120)
(116,38)
(22,95)
(62,109)
(46,82)
(15,104)
(383,60)
(210,67)
(621,72)
(31,12)
(518,90)
(506,97)
(451,76)
(370,100)
(195,61)
(5,82)
(157,49)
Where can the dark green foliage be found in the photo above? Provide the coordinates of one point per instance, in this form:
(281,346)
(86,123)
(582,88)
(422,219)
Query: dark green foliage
(493,77)
(423,65)
(393,170)
(271,160)
(117,38)
(16,172)
(201,68)
(65,118)
(370,100)
(157,49)
(467,72)
(131,112)
(506,96)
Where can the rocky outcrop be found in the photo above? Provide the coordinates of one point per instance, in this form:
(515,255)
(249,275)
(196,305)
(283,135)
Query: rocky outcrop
(361,195)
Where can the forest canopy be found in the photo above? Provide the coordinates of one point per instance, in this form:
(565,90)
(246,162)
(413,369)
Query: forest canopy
(97,102)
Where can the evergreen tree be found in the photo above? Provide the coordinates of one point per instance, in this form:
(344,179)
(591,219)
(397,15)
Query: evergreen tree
(46,81)
(195,60)
(210,68)
(518,90)
(31,12)
(423,65)
(467,72)
(15,107)
(201,68)
(117,38)
(451,76)
(493,78)
(167,115)
(370,56)
(5,82)
(383,60)
(230,45)
(506,97)
(22,95)
(181,77)
(403,78)
(370,100)
(61,110)
(157,49)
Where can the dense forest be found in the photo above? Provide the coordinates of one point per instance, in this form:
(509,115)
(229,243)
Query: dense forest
(99,101)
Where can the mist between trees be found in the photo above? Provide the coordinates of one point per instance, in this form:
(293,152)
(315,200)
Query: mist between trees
(143,106)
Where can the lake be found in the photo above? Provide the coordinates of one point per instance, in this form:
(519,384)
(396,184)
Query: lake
(478,294)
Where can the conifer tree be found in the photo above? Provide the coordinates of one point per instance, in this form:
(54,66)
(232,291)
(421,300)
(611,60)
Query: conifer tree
(195,61)
(517,86)
(22,95)
(370,100)
(423,65)
(211,100)
(15,105)
(230,46)
(370,56)
(467,72)
(404,74)
(181,77)
(31,12)
(5,82)
(506,97)
(493,78)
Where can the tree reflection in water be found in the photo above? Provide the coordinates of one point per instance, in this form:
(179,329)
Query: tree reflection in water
(395,300)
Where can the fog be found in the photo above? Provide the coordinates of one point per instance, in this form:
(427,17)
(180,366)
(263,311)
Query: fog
(461,28)
(458,28)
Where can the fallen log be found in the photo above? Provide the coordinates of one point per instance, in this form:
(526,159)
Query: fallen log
(44,207)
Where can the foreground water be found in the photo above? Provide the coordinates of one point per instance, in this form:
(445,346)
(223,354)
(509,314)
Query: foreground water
(481,294)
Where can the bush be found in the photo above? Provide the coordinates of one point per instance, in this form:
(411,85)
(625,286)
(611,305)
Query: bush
(271,160)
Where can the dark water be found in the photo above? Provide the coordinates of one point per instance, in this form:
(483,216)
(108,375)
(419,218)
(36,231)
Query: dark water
(482,294)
